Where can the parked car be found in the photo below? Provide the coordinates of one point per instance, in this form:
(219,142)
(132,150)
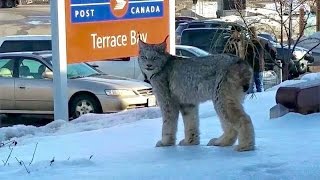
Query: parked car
(182,19)
(26,87)
(130,68)
(124,67)
(20,43)
(209,23)
(212,40)
(9,3)
(190,51)
(299,58)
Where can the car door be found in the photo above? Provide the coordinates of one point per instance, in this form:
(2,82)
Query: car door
(33,92)
(7,82)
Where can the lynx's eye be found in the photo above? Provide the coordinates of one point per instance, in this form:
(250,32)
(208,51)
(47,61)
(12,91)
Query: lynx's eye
(143,57)
(154,58)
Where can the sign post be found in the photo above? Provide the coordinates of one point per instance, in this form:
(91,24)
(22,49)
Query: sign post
(59,59)
(97,30)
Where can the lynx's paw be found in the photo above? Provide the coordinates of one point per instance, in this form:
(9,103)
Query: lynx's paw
(190,143)
(160,144)
(244,148)
(220,142)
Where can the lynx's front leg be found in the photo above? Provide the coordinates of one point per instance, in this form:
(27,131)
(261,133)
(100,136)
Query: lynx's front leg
(170,115)
(190,115)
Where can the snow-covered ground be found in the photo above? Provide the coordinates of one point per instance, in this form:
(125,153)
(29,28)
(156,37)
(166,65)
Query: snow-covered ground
(122,146)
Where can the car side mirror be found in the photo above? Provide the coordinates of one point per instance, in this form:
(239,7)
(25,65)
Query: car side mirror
(48,75)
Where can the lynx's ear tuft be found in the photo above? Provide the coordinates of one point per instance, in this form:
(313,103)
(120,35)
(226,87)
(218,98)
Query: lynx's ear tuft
(163,46)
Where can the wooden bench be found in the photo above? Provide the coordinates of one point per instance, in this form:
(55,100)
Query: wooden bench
(303,98)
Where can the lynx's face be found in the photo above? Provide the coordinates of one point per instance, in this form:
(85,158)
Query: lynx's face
(152,57)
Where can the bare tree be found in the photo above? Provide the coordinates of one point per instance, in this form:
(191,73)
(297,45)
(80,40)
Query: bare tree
(284,17)
(292,27)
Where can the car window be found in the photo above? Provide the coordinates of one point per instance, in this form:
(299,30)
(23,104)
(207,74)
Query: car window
(180,28)
(25,45)
(186,53)
(6,67)
(178,52)
(30,68)
(211,40)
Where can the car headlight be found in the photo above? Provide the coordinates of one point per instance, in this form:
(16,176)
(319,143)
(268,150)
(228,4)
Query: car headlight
(119,92)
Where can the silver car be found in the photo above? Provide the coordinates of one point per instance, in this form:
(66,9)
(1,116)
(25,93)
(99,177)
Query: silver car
(26,87)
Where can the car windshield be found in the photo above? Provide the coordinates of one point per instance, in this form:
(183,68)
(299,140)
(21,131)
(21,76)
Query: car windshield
(199,52)
(78,70)
(211,40)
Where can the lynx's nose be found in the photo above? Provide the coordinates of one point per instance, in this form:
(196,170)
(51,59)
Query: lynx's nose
(149,65)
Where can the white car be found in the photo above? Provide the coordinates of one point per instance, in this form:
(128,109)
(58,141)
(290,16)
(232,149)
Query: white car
(129,67)
(19,43)
(124,67)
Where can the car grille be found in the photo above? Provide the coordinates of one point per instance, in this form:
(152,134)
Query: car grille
(136,106)
(145,92)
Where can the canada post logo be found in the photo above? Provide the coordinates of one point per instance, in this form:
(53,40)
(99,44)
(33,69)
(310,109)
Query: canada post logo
(84,11)
(119,8)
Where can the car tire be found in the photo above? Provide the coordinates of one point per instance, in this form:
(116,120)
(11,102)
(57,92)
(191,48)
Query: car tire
(1,4)
(83,104)
(302,67)
(9,4)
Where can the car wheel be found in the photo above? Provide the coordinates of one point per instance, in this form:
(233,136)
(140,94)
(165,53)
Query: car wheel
(302,67)
(1,4)
(84,104)
(9,3)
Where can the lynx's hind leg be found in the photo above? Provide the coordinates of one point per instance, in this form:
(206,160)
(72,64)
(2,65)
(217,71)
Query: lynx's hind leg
(229,136)
(234,122)
(242,123)
(228,103)
(190,115)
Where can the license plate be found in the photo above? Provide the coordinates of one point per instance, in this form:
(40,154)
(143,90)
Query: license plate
(152,101)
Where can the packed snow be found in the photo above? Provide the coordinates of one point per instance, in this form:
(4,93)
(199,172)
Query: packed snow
(122,146)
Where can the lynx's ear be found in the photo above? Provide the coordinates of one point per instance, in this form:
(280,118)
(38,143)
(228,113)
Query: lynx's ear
(163,46)
(141,44)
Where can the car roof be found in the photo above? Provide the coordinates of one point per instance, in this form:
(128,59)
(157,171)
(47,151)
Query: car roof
(206,28)
(43,54)
(208,21)
(26,37)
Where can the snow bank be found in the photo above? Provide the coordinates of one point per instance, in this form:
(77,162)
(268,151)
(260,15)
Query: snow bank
(86,122)
(311,77)
(285,83)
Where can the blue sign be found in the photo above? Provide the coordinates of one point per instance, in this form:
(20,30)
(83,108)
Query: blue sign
(83,11)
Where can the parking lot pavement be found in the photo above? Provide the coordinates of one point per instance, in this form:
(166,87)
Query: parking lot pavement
(25,20)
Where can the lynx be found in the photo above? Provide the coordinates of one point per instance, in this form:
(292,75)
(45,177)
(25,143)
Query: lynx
(180,84)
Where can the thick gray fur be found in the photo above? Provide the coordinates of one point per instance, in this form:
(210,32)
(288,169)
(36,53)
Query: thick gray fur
(181,84)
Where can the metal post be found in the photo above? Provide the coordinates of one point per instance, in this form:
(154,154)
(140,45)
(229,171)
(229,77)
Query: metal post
(318,15)
(172,27)
(278,71)
(59,59)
